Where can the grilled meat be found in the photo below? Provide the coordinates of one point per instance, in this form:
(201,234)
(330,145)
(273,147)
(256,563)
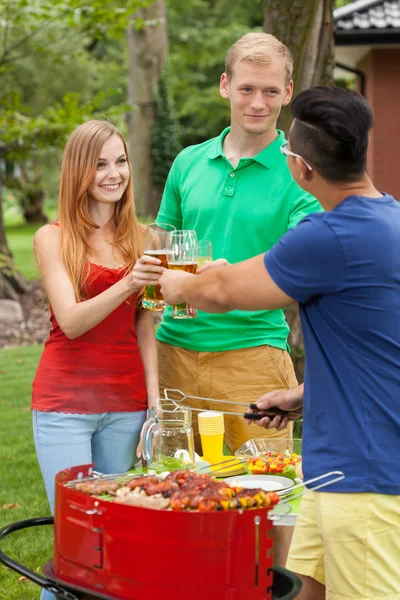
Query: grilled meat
(166,488)
(144,481)
(98,486)
(142,499)
(181,490)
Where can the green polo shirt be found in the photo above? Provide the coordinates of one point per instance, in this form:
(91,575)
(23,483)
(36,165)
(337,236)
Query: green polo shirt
(243,212)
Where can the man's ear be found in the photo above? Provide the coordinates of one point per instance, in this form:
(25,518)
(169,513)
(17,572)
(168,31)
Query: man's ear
(304,173)
(224,86)
(288,94)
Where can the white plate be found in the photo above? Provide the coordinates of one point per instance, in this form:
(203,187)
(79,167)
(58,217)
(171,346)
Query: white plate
(268,483)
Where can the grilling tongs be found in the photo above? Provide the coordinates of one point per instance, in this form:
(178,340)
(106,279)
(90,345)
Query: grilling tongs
(273,411)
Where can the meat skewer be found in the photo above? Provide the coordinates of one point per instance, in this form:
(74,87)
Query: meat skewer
(180,490)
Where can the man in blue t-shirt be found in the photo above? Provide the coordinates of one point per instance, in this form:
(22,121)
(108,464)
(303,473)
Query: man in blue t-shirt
(343,267)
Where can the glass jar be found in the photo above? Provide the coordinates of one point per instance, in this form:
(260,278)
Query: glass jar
(167,430)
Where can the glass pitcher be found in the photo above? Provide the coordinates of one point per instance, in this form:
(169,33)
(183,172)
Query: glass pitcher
(167,430)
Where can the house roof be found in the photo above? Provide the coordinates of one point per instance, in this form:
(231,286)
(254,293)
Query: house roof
(368,22)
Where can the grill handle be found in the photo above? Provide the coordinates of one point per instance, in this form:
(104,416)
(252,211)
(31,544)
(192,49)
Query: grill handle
(44,582)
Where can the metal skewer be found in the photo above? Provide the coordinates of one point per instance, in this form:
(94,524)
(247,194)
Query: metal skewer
(224,463)
(95,476)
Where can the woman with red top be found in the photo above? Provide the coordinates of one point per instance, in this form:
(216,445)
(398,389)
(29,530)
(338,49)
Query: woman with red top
(98,372)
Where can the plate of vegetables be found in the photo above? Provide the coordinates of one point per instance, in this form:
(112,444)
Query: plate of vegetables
(275,463)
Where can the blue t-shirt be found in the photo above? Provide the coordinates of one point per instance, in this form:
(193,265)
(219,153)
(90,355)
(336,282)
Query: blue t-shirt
(343,267)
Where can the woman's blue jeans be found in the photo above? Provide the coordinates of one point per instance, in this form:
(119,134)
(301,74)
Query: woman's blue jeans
(62,440)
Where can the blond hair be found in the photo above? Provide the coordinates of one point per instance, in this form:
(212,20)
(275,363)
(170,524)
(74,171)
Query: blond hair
(80,159)
(259,48)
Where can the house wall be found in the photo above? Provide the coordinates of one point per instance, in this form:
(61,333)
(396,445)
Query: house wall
(382,69)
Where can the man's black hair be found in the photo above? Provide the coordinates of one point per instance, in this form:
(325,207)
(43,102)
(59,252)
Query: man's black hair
(331,130)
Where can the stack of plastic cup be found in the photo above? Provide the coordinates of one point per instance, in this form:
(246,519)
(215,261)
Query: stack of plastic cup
(211,429)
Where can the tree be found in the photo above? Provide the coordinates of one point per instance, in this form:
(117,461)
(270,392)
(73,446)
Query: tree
(165,139)
(36,22)
(11,282)
(147,51)
(33,29)
(307,29)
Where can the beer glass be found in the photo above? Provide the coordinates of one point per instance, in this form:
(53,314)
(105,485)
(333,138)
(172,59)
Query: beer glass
(204,254)
(183,257)
(157,243)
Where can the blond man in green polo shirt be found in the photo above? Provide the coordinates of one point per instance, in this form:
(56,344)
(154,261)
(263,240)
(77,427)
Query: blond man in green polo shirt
(236,190)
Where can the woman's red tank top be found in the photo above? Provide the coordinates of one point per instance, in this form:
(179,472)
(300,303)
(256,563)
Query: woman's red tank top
(101,370)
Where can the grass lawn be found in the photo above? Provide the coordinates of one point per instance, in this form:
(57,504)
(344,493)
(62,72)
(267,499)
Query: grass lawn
(20,477)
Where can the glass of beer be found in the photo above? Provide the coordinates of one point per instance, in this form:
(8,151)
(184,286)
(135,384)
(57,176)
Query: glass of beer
(157,243)
(183,257)
(204,255)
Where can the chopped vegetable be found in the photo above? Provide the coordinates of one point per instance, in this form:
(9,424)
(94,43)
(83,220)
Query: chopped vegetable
(167,463)
(274,463)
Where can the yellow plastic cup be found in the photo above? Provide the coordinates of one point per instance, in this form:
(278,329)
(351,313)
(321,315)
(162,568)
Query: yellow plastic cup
(210,430)
(212,446)
(211,422)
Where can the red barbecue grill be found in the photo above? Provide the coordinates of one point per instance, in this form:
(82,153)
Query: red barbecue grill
(109,551)
(112,551)
(285,585)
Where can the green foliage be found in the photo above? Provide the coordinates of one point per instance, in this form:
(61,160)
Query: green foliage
(22,22)
(348,83)
(340,3)
(200,34)
(22,133)
(165,143)
(38,111)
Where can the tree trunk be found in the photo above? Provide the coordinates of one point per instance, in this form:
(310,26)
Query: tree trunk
(32,205)
(147,49)
(32,193)
(11,282)
(307,29)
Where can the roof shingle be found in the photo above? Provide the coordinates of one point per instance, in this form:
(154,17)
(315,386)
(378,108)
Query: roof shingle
(368,14)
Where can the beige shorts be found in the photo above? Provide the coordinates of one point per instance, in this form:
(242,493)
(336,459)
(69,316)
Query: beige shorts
(350,543)
(238,375)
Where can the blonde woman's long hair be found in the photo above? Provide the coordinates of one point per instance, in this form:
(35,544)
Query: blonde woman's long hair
(79,164)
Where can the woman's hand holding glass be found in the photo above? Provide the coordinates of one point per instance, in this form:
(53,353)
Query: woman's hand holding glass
(157,244)
(147,271)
